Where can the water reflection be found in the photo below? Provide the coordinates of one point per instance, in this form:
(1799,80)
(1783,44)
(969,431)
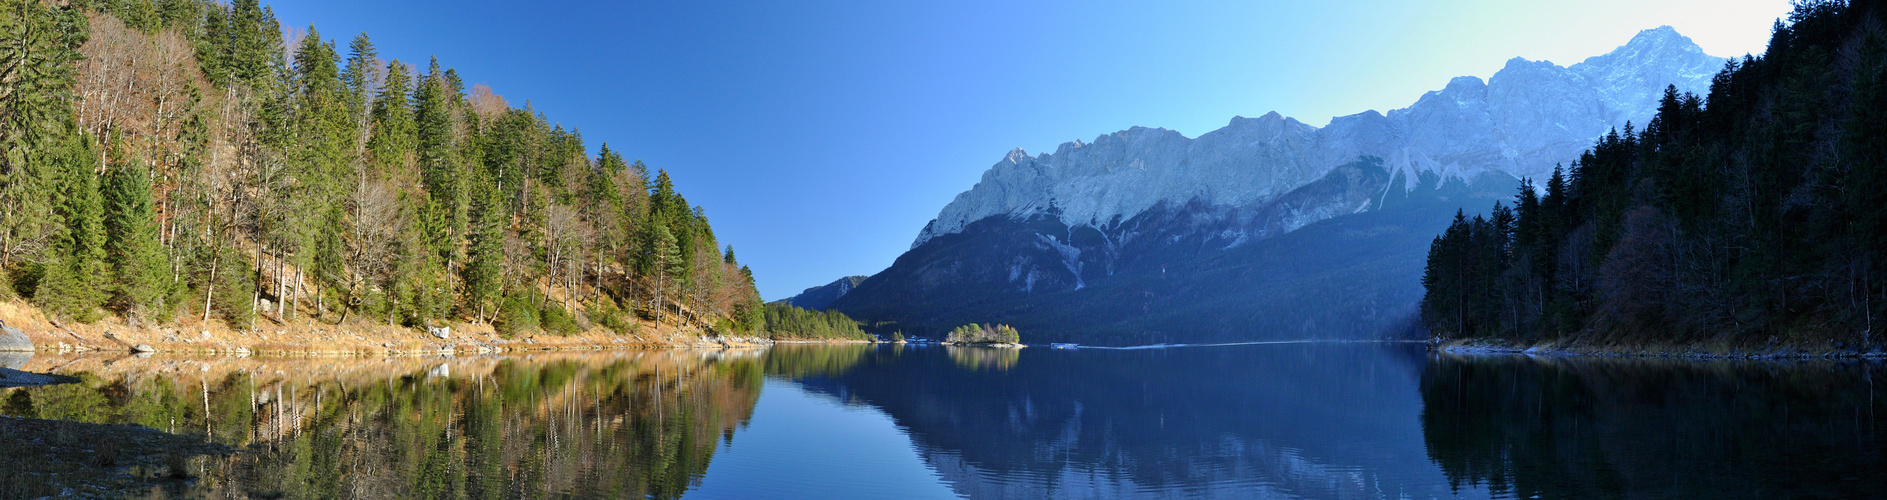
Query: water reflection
(1607,428)
(984,358)
(617,425)
(1305,420)
(1268,421)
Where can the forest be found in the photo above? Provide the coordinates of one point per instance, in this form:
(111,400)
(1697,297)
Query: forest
(1748,217)
(786,321)
(186,160)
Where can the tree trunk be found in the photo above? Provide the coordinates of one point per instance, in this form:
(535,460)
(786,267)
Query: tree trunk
(209,291)
(256,302)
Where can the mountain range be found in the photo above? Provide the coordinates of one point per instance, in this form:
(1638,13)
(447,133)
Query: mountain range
(1265,228)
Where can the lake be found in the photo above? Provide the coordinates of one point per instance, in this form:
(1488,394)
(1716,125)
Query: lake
(1277,420)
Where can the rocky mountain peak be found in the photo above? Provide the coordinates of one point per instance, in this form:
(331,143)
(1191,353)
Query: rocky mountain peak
(1522,121)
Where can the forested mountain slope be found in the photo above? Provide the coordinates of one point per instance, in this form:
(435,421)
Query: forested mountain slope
(1747,217)
(179,161)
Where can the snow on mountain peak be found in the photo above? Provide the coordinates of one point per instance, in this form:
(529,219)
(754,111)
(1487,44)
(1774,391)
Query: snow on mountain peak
(1528,117)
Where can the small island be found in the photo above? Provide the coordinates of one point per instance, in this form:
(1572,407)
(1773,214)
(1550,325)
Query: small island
(985,335)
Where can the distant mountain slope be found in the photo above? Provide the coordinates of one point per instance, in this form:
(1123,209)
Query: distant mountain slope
(1345,277)
(1147,235)
(819,297)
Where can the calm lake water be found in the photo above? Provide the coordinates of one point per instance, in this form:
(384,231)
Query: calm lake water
(1313,420)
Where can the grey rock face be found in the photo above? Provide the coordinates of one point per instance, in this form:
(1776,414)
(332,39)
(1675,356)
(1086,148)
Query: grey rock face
(1528,117)
(14,359)
(14,340)
(442,332)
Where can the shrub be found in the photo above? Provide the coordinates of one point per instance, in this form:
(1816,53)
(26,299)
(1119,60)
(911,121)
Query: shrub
(557,320)
(613,318)
(515,316)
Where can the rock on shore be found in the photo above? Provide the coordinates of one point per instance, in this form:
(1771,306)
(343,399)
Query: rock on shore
(13,340)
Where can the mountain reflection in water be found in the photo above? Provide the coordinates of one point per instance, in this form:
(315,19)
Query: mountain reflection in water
(1312,420)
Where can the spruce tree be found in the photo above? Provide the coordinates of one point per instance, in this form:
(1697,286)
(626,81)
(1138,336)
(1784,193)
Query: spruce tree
(359,76)
(75,275)
(438,157)
(484,267)
(137,258)
(254,38)
(35,116)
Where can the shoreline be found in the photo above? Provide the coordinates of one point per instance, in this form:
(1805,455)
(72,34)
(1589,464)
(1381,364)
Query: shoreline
(1487,347)
(301,337)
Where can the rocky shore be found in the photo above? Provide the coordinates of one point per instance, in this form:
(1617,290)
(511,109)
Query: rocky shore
(60,459)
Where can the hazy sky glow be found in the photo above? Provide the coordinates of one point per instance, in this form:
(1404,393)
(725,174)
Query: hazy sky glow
(821,136)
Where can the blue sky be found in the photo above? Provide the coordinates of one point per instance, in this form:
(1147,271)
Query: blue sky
(821,136)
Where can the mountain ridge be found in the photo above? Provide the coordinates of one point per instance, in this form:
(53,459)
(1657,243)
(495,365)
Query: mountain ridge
(1267,228)
(1523,120)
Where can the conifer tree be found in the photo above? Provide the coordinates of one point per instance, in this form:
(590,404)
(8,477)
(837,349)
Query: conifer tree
(75,273)
(132,248)
(254,39)
(392,142)
(434,103)
(35,114)
(359,76)
(484,269)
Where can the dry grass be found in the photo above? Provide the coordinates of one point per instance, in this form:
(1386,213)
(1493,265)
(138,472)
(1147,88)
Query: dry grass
(304,336)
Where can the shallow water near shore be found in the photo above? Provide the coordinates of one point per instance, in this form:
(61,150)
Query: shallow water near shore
(1273,420)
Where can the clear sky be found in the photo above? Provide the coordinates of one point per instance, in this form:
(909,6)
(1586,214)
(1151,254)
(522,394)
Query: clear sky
(820,136)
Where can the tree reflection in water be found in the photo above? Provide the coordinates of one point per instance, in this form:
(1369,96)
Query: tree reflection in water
(1610,428)
(984,358)
(632,424)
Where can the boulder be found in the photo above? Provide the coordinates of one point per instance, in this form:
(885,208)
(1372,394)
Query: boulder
(443,332)
(14,360)
(142,348)
(12,339)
